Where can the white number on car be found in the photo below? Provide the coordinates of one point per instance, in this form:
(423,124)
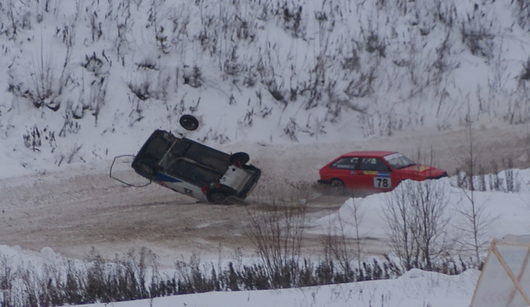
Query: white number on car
(382,182)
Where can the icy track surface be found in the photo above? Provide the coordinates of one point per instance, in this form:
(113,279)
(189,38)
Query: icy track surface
(80,207)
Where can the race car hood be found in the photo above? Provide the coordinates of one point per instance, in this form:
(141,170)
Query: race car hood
(423,171)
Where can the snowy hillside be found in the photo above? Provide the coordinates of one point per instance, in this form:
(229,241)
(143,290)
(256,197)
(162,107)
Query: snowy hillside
(85,80)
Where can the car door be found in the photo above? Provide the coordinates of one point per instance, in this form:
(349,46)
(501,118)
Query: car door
(343,169)
(373,175)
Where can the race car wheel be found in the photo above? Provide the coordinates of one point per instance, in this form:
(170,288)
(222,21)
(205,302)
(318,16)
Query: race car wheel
(337,185)
(239,158)
(189,122)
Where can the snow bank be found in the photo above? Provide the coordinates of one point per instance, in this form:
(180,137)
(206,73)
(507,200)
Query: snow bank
(415,288)
(507,212)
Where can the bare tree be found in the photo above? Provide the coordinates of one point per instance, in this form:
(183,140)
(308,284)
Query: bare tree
(416,223)
(341,247)
(277,236)
(357,216)
(476,221)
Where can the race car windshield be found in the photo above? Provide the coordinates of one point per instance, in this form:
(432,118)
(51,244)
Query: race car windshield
(398,161)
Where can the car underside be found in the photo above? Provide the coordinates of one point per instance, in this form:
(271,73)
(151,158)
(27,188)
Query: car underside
(195,169)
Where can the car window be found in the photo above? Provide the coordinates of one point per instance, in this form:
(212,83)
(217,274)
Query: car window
(373,164)
(398,160)
(154,148)
(346,163)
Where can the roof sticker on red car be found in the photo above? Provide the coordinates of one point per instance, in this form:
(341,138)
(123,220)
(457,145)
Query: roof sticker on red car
(370,172)
(375,173)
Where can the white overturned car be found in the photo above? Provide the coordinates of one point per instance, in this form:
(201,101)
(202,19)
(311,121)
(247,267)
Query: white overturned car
(194,169)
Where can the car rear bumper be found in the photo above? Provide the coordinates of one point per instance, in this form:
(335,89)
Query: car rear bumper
(252,182)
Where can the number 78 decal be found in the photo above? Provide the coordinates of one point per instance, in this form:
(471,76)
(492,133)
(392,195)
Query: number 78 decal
(382,182)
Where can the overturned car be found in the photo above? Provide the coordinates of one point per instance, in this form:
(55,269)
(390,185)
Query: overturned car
(194,169)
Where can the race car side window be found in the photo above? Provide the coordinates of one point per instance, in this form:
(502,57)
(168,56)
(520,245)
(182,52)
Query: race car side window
(346,163)
(373,164)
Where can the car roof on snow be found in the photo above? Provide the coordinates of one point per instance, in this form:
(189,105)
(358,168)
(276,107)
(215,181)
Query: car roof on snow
(369,153)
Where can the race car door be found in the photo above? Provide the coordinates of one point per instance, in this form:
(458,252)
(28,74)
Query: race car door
(373,175)
(343,169)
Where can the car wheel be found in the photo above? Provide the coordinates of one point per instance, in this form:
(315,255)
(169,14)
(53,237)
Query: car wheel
(337,186)
(239,158)
(189,122)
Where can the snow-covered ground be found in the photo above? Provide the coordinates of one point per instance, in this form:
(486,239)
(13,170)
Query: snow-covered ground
(72,210)
(414,288)
(508,213)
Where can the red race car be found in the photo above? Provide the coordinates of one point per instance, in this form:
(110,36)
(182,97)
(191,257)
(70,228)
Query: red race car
(366,172)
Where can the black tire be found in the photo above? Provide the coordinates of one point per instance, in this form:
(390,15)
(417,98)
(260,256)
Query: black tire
(337,186)
(189,122)
(239,158)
